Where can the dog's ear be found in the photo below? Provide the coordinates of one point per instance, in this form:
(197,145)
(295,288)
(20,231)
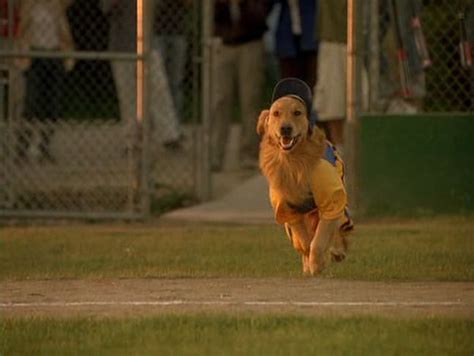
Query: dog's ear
(262,121)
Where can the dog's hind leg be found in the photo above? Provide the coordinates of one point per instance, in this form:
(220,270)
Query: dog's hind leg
(299,236)
(339,248)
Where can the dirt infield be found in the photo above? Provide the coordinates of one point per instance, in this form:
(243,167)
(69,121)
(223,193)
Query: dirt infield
(309,296)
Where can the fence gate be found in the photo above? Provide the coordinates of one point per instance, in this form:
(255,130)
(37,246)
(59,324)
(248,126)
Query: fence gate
(98,106)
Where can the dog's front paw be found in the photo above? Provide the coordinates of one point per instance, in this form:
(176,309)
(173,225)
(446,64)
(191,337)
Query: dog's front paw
(306,266)
(316,262)
(316,266)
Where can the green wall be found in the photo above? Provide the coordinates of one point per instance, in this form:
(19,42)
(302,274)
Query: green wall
(416,165)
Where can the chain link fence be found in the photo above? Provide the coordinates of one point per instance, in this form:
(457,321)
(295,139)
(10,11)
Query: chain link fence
(102,112)
(416,56)
(99,102)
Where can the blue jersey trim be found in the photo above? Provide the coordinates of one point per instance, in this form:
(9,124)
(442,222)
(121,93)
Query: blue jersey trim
(329,154)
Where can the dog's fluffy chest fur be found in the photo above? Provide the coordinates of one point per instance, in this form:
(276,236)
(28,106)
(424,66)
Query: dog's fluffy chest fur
(290,173)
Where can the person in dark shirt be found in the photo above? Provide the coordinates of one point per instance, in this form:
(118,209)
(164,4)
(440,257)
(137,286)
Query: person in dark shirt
(238,73)
(295,40)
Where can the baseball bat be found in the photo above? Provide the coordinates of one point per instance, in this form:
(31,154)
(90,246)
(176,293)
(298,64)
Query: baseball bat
(401,53)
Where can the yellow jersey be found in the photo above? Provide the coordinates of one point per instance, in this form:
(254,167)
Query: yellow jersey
(326,192)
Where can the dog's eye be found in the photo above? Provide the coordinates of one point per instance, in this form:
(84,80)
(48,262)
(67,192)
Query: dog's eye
(297,113)
(276,113)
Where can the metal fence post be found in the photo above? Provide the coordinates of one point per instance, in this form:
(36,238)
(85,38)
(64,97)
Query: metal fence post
(351,130)
(204,185)
(374,56)
(11,4)
(144,33)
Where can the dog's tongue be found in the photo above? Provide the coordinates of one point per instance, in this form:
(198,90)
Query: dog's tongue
(286,140)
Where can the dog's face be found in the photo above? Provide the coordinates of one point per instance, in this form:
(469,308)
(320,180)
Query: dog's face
(286,123)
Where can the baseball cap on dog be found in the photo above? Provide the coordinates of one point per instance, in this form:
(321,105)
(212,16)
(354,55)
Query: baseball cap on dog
(296,88)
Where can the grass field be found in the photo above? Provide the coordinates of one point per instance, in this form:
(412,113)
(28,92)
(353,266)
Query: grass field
(427,249)
(438,249)
(237,335)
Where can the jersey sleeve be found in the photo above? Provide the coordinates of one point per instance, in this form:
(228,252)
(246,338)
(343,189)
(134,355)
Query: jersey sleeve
(328,190)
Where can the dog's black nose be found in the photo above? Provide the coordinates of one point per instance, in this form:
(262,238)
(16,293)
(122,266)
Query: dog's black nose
(286,131)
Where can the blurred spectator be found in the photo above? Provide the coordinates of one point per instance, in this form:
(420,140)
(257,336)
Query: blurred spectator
(269,40)
(91,80)
(469,27)
(296,45)
(10,77)
(330,90)
(238,73)
(170,27)
(402,95)
(5,25)
(89,25)
(122,16)
(43,27)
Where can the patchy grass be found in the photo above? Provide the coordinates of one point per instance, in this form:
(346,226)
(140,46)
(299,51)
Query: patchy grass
(426,249)
(237,335)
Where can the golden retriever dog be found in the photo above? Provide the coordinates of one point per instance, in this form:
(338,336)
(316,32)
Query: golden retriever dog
(305,177)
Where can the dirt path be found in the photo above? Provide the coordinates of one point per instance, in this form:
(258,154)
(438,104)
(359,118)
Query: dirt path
(131,297)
